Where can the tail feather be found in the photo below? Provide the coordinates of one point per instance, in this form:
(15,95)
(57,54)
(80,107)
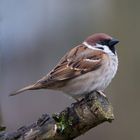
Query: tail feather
(30,87)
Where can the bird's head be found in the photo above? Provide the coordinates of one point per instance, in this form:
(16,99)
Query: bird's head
(102,41)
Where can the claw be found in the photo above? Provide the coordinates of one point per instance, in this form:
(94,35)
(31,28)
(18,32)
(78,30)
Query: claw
(101,93)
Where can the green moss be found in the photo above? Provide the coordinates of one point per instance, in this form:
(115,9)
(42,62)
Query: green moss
(107,114)
(64,123)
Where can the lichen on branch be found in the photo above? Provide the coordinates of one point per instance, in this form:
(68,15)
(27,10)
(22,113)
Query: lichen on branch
(75,120)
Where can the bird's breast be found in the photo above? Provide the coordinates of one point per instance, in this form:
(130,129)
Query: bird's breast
(95,80)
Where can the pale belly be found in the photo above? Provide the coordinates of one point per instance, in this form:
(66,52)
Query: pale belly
(95,80)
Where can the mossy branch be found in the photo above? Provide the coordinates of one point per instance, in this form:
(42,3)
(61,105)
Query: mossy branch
(69,124)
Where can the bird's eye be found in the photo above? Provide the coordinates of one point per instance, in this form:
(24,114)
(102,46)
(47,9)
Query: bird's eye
(104,42)
(101,48)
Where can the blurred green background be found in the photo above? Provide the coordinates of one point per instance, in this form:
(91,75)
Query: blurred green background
(35,34)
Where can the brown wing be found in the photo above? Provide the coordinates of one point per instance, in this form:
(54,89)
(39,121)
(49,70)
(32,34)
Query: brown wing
(78,61)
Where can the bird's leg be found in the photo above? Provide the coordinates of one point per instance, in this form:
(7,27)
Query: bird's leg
(84,96)
(101,92)
(76,99)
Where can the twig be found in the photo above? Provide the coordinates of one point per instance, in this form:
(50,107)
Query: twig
(69,124)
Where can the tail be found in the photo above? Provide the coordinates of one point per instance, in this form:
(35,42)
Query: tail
(30,87)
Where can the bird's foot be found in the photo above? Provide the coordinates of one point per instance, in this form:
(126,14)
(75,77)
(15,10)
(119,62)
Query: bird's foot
(101,93)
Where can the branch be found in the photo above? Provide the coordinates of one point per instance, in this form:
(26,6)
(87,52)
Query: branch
(69,124)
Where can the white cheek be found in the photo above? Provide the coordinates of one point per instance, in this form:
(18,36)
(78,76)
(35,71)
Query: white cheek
(106,49)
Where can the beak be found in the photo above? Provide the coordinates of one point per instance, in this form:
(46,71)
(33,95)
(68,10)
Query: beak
(113,42)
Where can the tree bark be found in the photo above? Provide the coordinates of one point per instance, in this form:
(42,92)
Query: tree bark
(75,120)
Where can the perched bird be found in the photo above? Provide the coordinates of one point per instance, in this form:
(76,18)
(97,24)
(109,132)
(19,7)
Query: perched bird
(88,67)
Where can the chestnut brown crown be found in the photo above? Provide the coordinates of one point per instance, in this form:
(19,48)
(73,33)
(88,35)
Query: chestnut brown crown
(97,37)
(102,39)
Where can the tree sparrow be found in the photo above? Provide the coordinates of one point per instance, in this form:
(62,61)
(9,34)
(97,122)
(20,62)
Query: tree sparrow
(88,67)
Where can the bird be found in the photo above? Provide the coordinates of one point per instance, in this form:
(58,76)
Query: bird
(88,67)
